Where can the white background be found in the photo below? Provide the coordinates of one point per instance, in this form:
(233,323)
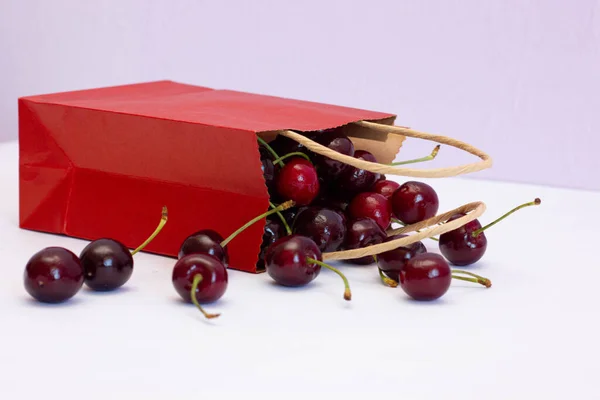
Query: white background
(533,335)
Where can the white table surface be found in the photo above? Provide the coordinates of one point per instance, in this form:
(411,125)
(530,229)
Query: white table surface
(534,334)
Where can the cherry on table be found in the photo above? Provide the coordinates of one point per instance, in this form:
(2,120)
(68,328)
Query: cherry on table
(326,227)
(298,181)
(355,180)
(363,232)
(199,279)
(467,244)
(206,241)
(426,276)
(391,262)
(53,275)
(414,202)
(385,188)
(108,264)
(372,205)
(296,260)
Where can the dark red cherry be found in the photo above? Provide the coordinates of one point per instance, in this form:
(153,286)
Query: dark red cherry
(214,277)
(385,188)
(460,246)
(393,261)
(426,276)
(372,205)
(414,202)
(362,232)
(298,181)
(283,145)
(107,264)
(268,168)
(326,227)
(286,260)
(53,275)
(335,140)
(354,180)
(205,241)
(273,231)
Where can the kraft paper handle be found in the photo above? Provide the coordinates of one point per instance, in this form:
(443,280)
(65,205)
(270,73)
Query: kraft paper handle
(434,226)
(486,161)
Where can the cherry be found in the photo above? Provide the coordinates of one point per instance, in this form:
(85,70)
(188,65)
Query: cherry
(53,275)
(298,181)
(108,264)
(268,168)
(414,201)
(354,180)
(296,260)
(283,145)
(363,232)
(211,243)
(372,205)
(426,276)
(326,227)
(200,278)
(335,140)
(205,241)
(393,261)
(274,230)
(385,188)
(468,243)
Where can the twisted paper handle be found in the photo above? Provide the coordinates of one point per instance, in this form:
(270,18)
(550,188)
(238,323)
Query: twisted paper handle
(472,210)
(485,162)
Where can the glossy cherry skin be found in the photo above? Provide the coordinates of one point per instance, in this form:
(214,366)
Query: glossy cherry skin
(53,275)
(426,276)
(205,241)
(286,260)
(363,232)
(393,261)
(335,140)
(414,202)
(214,277)
(354,180)
(385,188)
(460,247)
(273,231)
(372,205)
(283,145)
(107,264)
(298,181)
(326,227)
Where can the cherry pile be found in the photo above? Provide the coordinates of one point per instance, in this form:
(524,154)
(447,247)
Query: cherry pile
(317,205)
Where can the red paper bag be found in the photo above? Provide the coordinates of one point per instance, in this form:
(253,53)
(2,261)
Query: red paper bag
(102,162)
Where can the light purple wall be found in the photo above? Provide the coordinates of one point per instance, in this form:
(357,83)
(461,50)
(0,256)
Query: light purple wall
(520,79)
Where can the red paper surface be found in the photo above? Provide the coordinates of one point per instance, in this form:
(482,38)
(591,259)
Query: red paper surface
(102,162)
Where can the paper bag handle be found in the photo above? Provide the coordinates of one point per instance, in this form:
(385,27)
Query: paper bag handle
(434,226)
(486,161)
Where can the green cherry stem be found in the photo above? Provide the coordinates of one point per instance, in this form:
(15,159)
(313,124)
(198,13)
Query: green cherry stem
(270,149)
(430,157)
(472,277)
(387,281)
(283,221)
(295,153)
(281,207)
(396,220)
(347,293)
(195,283)
(163,220)
(535,202)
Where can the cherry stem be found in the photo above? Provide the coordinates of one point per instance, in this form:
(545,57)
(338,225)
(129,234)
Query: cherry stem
(163,220)
(347,293)
(195,282)
(535,202)
(270,149)
(475,278)
(396,220)
(431,156)
(283,221)
(281,207)
(295,153)
(387,281)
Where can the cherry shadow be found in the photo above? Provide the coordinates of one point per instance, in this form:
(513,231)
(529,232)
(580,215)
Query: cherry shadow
(119,290)
(72,302)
